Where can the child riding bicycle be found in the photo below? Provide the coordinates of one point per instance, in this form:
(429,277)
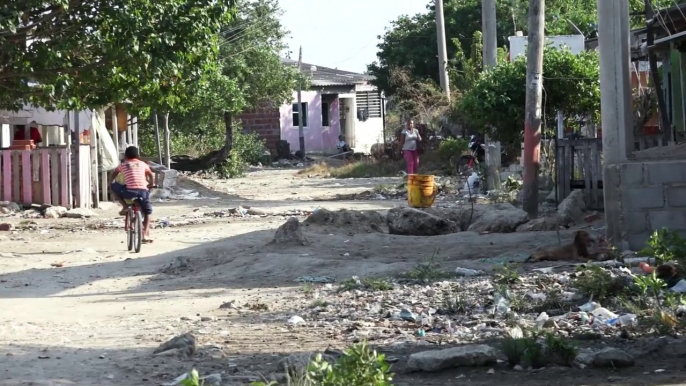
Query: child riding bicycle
(137,179)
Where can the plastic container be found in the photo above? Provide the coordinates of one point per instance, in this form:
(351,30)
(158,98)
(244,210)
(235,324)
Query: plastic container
(604,313)
(467,272)
(680,287)
(421,191)
(472,184)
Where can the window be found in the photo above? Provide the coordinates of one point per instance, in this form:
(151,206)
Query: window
(296,114)
(369,101)
(325,114)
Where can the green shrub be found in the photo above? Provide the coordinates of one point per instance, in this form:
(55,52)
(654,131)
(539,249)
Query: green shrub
(249,147)
(598,282)
(358,366)
(666,245)
(451,149)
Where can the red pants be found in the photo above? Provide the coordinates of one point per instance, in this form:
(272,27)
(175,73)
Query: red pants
(412,160)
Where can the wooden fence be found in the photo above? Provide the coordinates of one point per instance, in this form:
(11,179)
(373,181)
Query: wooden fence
(42,176)
(579,166)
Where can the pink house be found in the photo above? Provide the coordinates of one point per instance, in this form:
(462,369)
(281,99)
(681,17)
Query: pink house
(337,103)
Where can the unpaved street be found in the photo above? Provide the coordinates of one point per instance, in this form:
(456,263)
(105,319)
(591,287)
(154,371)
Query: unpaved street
(78,309)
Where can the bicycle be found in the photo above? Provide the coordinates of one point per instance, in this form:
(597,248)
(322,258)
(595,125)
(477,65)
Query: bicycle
(133,224)
(470,162)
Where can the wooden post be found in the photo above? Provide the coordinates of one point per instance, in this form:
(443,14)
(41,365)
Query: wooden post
(301,132)
(94,159)
(167,141)
(534,94)
(134,130)
(157,140)
(75,176)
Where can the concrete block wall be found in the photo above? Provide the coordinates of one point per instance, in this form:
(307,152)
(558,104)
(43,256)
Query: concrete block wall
(265,120)
(652,195)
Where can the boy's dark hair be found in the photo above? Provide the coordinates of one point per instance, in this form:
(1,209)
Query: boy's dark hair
(131,152)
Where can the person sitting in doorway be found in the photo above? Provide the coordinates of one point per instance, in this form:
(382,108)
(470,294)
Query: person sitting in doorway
(342,146)
(138,179)
(34,133)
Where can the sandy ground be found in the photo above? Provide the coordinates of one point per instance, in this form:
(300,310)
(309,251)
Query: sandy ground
(96,319)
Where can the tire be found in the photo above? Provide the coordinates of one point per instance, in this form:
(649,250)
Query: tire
(138,231)
(463,165)
(129,230)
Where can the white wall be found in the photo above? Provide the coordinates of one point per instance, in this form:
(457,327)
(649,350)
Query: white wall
(575,43)
(368,133)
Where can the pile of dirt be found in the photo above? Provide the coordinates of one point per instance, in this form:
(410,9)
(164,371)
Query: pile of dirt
(349,220)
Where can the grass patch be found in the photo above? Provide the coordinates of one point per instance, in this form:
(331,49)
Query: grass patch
(320,302)
(598,282)
(358,169)
(428,271)
(369,283)
(308,288)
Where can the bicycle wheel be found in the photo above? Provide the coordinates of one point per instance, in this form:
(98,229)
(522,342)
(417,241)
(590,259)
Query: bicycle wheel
(466,165)
(129,229)
(138,229)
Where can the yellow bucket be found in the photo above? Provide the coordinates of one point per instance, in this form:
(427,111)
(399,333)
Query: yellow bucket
(421,191)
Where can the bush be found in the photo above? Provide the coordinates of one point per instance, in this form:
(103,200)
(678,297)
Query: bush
(666,245)
(249,147)
(598,282)
(451,149)
(358,366)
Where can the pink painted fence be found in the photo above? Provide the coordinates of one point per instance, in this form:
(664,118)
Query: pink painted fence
(38,176)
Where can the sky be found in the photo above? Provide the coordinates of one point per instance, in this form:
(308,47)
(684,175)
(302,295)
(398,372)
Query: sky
(341,33)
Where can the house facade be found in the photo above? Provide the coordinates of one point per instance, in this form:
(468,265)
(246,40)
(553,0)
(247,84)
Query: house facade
(337,103)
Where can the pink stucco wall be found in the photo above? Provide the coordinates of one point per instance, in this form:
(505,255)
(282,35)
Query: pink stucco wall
(318,139)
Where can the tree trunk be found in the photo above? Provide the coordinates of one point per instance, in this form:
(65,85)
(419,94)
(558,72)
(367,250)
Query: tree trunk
(167,141)
(157,140)
(187,164)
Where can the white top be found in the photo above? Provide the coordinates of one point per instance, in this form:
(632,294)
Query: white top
(411,139)
(340,144)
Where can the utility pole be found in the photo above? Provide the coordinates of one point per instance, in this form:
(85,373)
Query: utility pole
(442,52)
(534,91)
(490,55)
(301,113)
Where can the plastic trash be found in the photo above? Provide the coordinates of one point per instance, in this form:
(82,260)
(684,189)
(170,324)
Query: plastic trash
(421,332)
(604,313)
(295,320)
(467,272)
(407,315)
(590,306)
(680,287)
(627,320)
(502,305)
(537,296)
(473,183)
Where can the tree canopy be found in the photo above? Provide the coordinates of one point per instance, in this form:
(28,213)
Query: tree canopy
(410,41)
(571,83)
(88,53)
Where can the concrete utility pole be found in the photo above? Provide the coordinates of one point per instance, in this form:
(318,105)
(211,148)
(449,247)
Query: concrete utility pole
(534,91)
(301,113)
(442,52)
(615,104)
(490,55)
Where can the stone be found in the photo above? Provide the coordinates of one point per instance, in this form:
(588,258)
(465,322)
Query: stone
(612,358)
(540,224)
(552,197)
(352,220)
(166,178)
(298,363)
(290,233)
(179,263)
(407,315)
(258,212)
(415,222)
(462,216)
(501,218)
(5,210)
(571,209)
(79,213)
(185,344)
(10,206)
(295,320)
(30,213)
(54,212)
(6,227)
(464,356)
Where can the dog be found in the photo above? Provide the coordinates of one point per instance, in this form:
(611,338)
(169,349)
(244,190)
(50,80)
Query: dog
(576,250)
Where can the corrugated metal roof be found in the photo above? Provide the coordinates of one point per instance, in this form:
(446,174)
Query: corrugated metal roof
(326,76)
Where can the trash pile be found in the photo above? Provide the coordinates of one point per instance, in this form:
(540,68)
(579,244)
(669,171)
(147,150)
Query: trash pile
(474,307)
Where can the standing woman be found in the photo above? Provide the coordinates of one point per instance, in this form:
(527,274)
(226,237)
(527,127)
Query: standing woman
(409,140)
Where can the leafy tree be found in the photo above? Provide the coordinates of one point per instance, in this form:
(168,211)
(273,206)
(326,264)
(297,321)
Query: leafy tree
(88,53)
(249,72)
(410,41)
(571,83)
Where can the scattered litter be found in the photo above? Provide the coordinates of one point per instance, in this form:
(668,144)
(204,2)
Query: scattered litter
(680,287)
(295,320)
(468,272)
(315,279)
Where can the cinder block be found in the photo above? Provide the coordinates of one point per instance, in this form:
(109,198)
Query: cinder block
(665,172)
(642,198)
(675,195)
(632,174)
(637,241)
(674,219)
(635,222)
(167,178)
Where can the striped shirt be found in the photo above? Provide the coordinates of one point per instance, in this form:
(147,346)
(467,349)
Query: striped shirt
(134,174)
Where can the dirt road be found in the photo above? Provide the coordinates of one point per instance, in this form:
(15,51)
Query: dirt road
(77,309)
